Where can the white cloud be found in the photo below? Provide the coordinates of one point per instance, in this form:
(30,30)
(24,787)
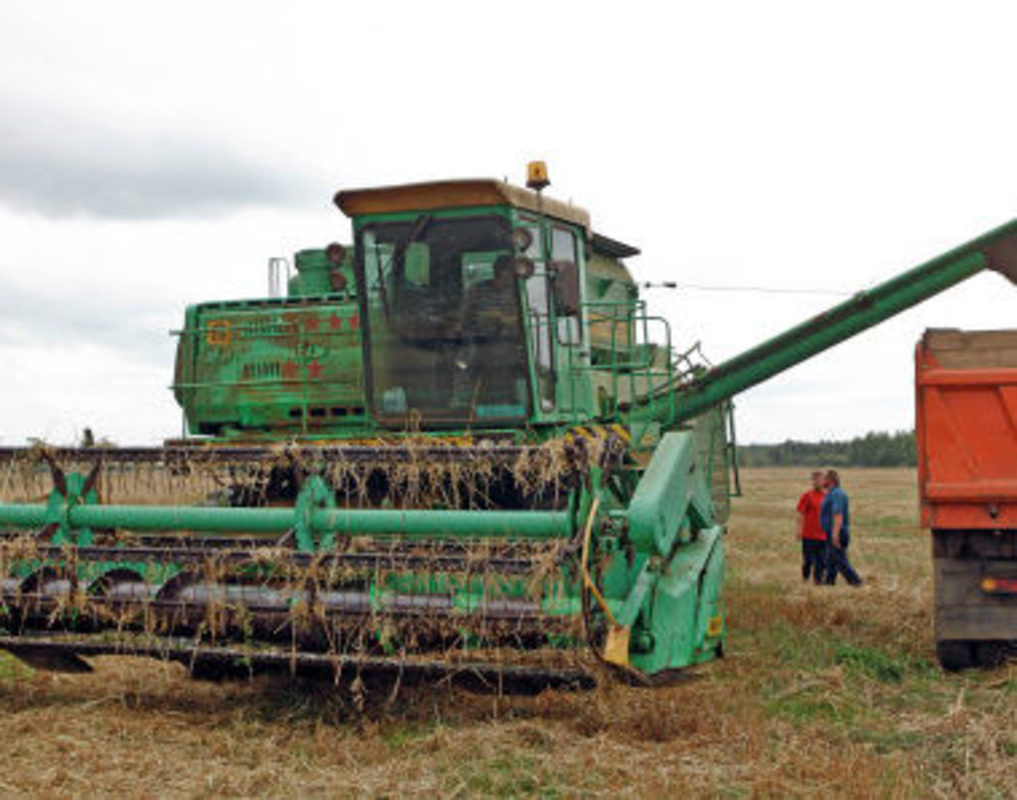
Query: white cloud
(59,164)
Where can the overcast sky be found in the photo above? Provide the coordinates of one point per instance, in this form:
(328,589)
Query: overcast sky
(155,154)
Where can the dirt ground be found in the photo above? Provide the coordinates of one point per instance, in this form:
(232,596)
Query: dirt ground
(828,692)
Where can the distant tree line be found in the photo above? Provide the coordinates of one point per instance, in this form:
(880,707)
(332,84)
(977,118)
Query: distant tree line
(871,450)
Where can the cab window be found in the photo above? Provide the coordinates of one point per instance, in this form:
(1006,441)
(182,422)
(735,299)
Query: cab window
(563,248)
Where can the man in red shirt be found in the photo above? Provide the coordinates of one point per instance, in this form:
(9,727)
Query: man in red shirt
(811,532)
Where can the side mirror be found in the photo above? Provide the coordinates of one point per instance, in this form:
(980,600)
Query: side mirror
(567,297)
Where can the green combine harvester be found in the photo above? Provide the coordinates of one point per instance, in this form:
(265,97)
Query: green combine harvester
(461,447)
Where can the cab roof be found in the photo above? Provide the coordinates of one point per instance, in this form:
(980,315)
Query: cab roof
(436,195)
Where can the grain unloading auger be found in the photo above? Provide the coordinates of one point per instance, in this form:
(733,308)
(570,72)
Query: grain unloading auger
(452,449)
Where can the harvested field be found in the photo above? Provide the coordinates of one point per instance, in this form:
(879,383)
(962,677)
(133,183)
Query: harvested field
(823,691)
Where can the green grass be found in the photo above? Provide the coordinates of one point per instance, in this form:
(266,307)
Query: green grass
(13,669)
(514,775)
(872,662)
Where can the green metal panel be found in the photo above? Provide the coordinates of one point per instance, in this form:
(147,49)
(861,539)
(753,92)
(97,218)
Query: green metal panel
(282,365)
(672,488)
(684,614)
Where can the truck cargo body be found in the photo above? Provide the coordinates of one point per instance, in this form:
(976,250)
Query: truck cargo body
(966,428)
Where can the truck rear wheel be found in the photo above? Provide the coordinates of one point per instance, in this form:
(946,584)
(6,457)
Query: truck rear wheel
(954,655)
(992,654)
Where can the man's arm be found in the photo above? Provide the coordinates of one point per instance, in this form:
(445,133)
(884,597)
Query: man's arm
(839,509)
(838,523)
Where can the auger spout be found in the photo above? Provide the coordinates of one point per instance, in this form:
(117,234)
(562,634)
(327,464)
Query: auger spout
(995,250)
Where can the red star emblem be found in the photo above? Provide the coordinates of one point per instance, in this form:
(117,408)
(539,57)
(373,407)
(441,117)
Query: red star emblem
(335,322)
(314,370)
(311,323)
(354,321)
(289,371)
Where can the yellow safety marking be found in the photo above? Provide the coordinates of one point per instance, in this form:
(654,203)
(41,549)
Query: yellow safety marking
(715,626)
(599,431)
(622,431)
(217,332)
(616,648)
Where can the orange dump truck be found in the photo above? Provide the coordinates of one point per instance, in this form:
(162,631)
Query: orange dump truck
(966,427)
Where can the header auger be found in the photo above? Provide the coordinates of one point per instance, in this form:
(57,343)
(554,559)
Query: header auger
(460,446)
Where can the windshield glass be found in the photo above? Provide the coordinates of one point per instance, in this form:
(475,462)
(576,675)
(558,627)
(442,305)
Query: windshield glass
(444,332)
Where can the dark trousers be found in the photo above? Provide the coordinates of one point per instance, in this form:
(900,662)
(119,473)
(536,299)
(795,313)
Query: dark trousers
(837,562)
(813,559)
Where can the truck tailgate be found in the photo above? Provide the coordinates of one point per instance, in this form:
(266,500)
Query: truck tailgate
(966,429)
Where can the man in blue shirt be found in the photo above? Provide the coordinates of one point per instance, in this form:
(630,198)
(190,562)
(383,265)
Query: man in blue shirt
(835,519)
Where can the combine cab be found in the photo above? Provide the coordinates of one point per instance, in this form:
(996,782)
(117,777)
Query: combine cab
(462,446)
